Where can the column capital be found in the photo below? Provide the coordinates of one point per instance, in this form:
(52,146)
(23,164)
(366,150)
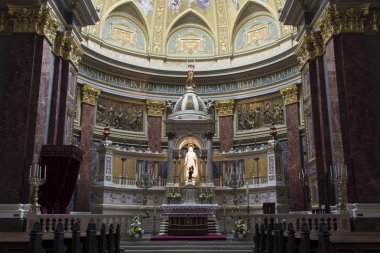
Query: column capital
(37,19)
(290,94)
(155,107)
(68,47)
(90,94)
(225,107)
(348,19)
(310,47)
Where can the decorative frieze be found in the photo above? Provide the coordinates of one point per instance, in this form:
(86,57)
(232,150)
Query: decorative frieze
(90,94)
(260,114)
(290,94)
(354,19)
(155,108)
(225,107)
(119,115)
(38,20)
(310,47)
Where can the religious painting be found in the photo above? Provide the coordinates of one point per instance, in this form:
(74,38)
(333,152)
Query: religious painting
(124,33)
(260,114)
(256,32)
(174,5)
(203,4)
(235,3)
(119,115)
(190,41)
(146,6)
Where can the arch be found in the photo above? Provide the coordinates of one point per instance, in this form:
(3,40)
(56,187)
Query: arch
(131,9)
(187,139)
(189,18)
(249,9)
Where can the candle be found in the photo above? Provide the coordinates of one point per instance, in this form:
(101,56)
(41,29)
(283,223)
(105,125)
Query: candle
(345,170)
(45,172)
(331,174)
(30,171)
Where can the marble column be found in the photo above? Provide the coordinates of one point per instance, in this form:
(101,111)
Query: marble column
(225,109)
(155,111)
(297,198)
(26,61)
(210,175)
(170,157)
(89,100)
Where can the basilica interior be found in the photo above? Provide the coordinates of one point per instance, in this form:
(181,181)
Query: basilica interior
(200,119)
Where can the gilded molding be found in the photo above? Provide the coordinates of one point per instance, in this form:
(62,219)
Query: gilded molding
(358,19)
(90,94)
(290,94)
(38,20)
(155,107)
(225,107)
(68,48)
(310,47)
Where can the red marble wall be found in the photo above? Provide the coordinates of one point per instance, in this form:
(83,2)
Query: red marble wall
(23,120)
(352,115)
(226,132)
(297,201)
(84,186)
(154,133)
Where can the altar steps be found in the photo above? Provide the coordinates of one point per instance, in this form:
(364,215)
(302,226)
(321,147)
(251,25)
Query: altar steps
(147,246)
(212,226)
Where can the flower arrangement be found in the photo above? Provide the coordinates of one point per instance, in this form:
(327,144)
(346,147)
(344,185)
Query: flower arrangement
(240,228)
(173,197)
(135,229)
(205,196)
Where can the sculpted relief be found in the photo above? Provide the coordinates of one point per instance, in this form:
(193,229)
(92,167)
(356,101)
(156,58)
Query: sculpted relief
(190,41)
(260,114)
(119,115)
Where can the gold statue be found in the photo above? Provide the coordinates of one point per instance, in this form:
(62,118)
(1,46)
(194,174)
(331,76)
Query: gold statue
(190,77)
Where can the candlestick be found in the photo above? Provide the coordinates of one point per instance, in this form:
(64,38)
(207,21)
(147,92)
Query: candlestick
(36,181)
(340,182)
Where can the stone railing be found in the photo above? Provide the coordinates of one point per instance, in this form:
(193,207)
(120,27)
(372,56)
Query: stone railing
(132,181)
(253,182)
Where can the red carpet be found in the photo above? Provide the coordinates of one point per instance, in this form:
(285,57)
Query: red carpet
(188,237)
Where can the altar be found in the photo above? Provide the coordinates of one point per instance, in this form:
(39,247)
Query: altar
(189,219)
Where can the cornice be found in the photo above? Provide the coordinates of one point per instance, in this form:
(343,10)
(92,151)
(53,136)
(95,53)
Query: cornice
(272,65)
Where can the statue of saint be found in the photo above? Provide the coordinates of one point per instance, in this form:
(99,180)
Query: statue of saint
(191,164)
(190,77)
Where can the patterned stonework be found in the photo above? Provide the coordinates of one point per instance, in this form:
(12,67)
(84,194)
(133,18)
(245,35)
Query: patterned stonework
(337,20)
(158,27)
(38,20)
(89,94)
(225,107)
(221,17)
(155,108)
(68,48)
(290,94)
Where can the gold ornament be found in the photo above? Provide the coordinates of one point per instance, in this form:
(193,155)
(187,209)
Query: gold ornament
(90,94)
(310,47)
(155,108)
(290,94)
(225,107)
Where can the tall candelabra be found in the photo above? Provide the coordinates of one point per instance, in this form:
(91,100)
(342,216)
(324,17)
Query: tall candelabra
(36,179)
(145,183)
(235,182)
(338,175)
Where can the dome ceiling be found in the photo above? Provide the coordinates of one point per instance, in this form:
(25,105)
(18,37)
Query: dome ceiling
(183,29)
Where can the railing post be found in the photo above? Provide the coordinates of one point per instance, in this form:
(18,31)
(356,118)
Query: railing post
(305,238)
(91,246)
(110,240)
(256,238)
(280,242)
(75,243)
(36,239)
(59,246)
(323,238)
(275,238)
(262,238)
(117,239)
(103,239)
(269,239)
(291,239)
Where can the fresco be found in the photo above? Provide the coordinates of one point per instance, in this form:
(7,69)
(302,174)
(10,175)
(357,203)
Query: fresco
(255,33)
(124,33)
(190,41)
